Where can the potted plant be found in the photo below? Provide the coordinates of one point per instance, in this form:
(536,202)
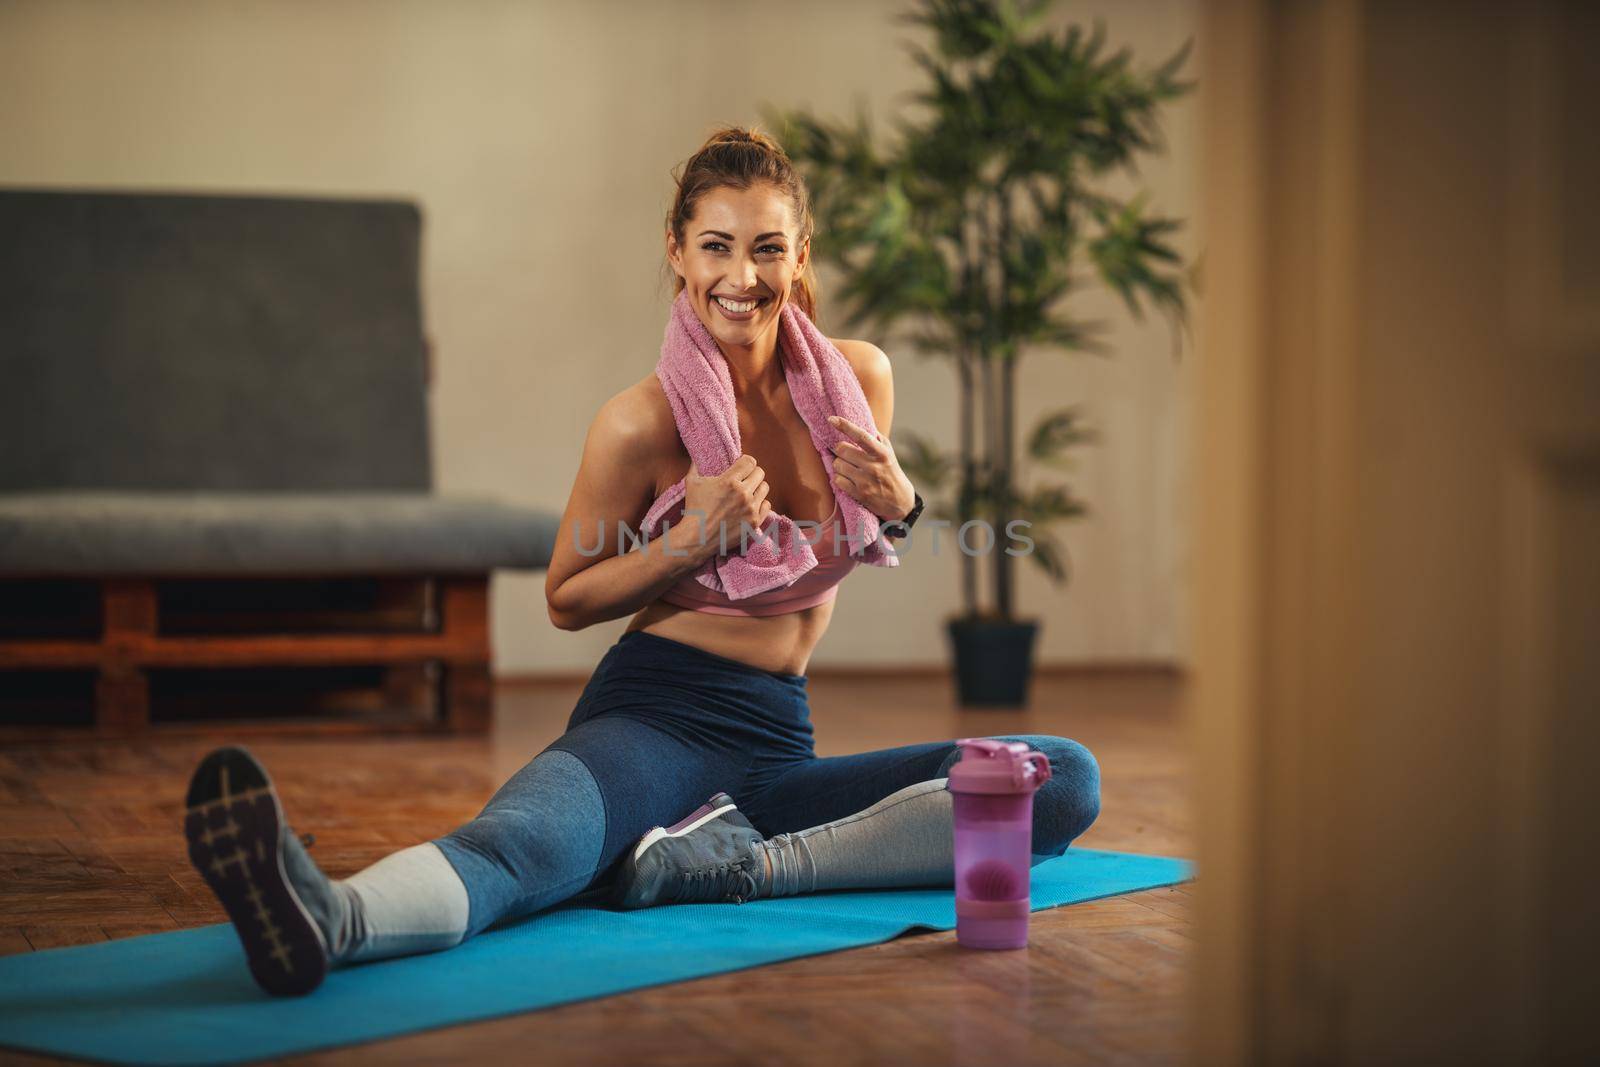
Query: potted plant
(968,230)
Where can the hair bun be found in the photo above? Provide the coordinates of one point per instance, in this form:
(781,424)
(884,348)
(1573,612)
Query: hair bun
(743,135)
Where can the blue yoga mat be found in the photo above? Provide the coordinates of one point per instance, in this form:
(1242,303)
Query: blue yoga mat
(186,998)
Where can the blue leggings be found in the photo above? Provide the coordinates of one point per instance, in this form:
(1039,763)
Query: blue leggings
(660,727)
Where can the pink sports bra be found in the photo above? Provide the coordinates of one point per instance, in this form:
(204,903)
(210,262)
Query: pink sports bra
(817,586)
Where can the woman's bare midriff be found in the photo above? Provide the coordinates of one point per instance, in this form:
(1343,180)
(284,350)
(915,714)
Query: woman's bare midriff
(778,438)
(781,643)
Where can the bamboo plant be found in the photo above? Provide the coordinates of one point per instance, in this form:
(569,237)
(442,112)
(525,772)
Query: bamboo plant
(966,231)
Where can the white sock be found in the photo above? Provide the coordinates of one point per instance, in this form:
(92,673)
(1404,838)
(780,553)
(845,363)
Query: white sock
(905,839)
(408,902)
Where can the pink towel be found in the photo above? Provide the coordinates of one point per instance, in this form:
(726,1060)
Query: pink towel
(694,375)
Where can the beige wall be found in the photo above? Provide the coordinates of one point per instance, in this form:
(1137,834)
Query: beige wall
(538,138)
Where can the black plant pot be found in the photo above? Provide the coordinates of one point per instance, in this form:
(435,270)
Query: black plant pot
(994,660)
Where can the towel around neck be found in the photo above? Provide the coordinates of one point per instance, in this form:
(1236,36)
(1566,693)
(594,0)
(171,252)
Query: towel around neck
(694,375)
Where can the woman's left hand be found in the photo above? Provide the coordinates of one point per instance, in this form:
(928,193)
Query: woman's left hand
(865,467)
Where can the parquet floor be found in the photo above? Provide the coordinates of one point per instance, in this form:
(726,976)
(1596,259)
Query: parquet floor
(90,849)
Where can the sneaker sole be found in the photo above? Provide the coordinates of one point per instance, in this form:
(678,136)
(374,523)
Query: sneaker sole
(717,805)
(233,822)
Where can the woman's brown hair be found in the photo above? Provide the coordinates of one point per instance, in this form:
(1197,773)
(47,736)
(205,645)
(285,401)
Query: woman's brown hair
(740,158)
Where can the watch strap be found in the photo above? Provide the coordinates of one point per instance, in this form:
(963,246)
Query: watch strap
(897,528)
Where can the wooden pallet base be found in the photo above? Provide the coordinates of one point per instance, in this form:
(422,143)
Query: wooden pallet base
(428,634)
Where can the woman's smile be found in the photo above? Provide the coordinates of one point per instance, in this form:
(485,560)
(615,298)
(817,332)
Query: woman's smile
(738,311)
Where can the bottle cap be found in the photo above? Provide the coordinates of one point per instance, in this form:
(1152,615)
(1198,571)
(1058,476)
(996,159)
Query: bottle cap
(991,766)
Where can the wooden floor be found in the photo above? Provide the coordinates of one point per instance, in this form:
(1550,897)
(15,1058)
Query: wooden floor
(90,849)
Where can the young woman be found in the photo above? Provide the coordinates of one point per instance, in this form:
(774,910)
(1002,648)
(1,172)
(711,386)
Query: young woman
(700,697)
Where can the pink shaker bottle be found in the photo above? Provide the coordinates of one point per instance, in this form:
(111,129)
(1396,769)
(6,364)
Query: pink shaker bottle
(993,783)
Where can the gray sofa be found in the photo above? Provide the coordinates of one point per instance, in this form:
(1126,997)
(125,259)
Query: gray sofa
(229,389)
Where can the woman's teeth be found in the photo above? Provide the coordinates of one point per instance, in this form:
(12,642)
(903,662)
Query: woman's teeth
(738,309)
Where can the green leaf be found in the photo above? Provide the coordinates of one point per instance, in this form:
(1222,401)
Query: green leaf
(1126,251)
(1048,554)
(1052,502)
(1057,432)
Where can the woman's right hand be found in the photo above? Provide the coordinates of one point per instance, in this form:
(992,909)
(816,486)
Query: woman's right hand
(737,495)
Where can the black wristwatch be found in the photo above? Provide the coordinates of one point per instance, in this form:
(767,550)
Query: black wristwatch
(903,526)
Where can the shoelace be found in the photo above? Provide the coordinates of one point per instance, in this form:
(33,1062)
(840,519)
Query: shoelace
(729,881)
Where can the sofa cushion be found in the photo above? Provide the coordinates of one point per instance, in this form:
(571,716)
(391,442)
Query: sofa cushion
(67,533)
(161,341)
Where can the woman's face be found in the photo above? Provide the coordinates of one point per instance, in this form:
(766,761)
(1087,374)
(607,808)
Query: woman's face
(740,246)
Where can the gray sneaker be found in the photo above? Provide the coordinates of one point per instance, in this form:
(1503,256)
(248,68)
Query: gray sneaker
(281,905)
(713,854)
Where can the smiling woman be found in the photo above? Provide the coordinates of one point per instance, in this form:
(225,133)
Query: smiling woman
(740,254)
(700,697)
(738,243)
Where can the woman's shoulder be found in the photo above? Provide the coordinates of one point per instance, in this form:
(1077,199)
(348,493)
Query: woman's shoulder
(869,361)
(641,416)
(871,365)
(643,434)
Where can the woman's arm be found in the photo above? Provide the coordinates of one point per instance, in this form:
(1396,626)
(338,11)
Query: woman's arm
(616,483)
(866,466)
